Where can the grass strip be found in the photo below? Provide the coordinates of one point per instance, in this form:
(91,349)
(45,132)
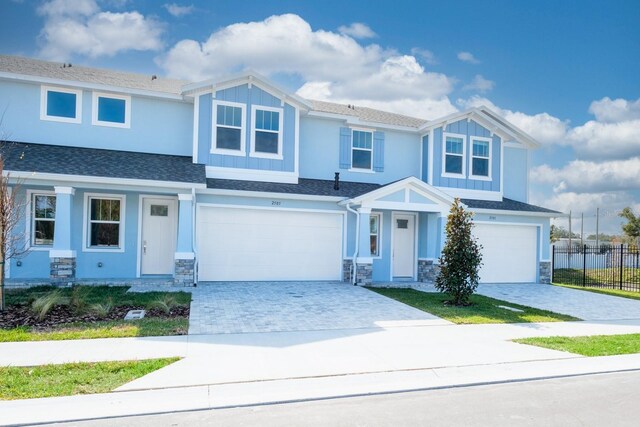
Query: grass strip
(595,345)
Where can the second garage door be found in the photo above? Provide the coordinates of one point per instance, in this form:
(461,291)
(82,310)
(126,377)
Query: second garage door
(258,245)
(508,254)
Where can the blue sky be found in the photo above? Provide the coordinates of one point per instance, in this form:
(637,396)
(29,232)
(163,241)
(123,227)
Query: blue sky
(564,71)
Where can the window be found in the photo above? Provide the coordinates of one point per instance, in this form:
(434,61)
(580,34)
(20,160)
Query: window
(481,158)
(266,132)
(60,104)
(374,230)
(229,128)
(454,155)
(111,110)
(43,219)
(105,222)
(361,149)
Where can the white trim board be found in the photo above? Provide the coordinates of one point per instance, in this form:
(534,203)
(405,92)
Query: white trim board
(44,95)
(464,193)
(251,175)
(95,110)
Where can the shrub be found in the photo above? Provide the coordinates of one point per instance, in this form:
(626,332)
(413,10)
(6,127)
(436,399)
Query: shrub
(165,303)
(101,309)
(78,300)
(42,305)
(461,257)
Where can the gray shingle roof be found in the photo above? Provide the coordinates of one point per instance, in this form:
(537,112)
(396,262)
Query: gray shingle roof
(368,114)
(55,70)
(94,162)
(505,205)
(312,187)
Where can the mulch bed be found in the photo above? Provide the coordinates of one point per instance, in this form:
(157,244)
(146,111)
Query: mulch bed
(21,315)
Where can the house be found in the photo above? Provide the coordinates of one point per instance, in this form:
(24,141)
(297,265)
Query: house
(130,177)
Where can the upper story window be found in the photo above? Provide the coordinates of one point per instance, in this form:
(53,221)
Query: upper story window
(105,222)
(481,158)
(229,125)
(361,149)
(43,219)
(454,155)
(111,110)
(374,234)
(60,104)
(266,132)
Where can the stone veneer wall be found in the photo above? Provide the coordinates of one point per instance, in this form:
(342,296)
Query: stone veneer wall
(427,271)
(347,265)
(62,271)
(364,274)
(184,272)
(544,271)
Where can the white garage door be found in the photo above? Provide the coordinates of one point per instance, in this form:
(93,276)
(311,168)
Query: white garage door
(508,253)
(257,244)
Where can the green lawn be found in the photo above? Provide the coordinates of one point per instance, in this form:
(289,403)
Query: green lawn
(147,327)
(73,378)
(605,291)
(482,310)
(596,345)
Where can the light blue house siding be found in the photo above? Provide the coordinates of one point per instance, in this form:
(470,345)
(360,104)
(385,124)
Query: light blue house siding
(468,129)
(157,125)
(320,153)
(249,96)
(515,173)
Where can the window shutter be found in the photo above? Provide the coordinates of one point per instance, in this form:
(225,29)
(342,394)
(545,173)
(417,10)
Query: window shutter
(378,151)
(345,148)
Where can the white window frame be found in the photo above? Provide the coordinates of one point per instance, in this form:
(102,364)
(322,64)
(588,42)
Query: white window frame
(127,110)
(252,151)
(490,158)
(379,216)
(86,220)
(243,127)
(446,174)
(356,169)
(29,214)
(44,93)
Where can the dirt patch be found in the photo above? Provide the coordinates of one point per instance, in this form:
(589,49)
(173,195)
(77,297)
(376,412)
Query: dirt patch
(21,315)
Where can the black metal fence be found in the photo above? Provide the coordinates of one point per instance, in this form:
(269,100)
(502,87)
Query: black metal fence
(605,266)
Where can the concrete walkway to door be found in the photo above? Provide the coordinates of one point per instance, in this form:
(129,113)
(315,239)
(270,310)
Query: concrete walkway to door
(244,307)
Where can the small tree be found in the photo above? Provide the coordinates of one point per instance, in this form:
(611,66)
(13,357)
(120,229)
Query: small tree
(632,227)
(461,257)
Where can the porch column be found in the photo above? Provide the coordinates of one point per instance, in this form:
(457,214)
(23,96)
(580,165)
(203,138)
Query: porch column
(185,257)
(364,263)
(61,257)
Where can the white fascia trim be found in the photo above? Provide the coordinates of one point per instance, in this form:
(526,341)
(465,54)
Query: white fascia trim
(185,197)
(252,175)
(269,195)
(511,144)
(127,110)
(62,253)
(78,179)
(411,182)
(252,145)
(432,136)
(196,126)
(364,260)
(355,121)
(480,177)
(184,255)
(64,190)
(296,143)
(464,193)
(44,91)
(242,152)
(90,86)
(411,207)
(515,213)
(445,174)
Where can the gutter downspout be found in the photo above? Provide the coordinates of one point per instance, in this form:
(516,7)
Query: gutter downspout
(355,253)
(193,237)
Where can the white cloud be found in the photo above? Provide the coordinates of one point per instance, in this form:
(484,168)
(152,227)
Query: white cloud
(609,110)
(480,84)
(582,176)
(177,10)
(426,55)
(357,30)
(607,140)
(79,27)
(334,66)
(467,57)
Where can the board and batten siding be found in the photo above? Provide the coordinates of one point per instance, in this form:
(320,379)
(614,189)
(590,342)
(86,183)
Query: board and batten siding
(469,129)
(250,97)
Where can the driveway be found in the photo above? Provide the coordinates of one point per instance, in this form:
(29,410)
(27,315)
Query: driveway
(242,307)
(581,304)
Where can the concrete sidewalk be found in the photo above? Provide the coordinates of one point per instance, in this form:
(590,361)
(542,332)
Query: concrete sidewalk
(109,405)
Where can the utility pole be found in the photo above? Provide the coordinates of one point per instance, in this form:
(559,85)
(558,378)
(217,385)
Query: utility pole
(597,228)
(582,229)
(570,247)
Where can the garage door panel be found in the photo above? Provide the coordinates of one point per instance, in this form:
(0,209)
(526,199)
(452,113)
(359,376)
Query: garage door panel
(509,253)
(257,244)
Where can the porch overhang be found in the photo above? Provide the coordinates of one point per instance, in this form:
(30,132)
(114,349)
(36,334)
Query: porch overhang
(408,194)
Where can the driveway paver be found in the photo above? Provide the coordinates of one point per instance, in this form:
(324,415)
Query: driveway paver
(243,307)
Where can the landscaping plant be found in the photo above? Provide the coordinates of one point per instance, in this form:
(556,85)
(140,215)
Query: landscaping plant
(164,302)
(101,309)
(461,258)
(42,305)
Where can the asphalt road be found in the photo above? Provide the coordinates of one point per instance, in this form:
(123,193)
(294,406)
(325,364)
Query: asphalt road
(594,400)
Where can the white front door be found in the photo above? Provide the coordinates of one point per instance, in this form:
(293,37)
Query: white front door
(159,235)
(403,244)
